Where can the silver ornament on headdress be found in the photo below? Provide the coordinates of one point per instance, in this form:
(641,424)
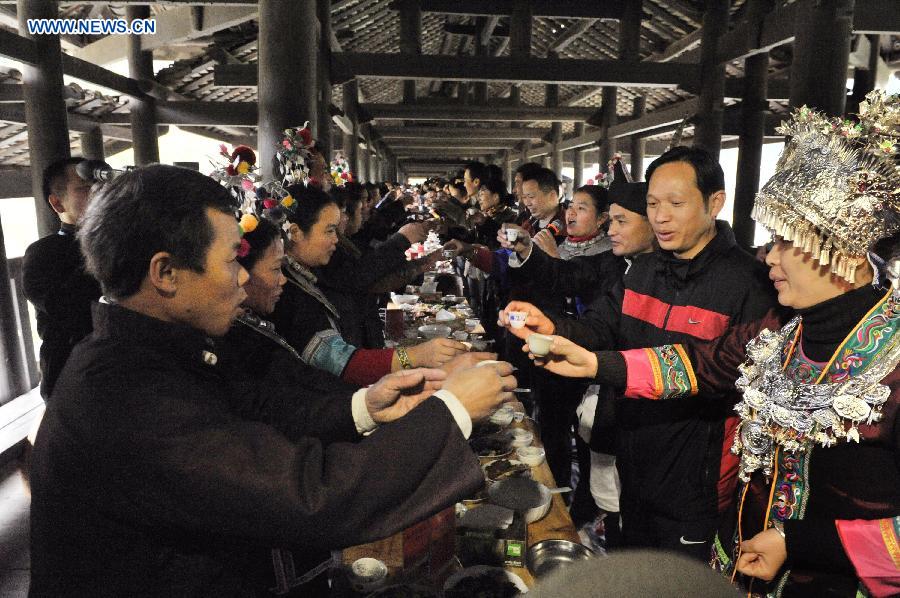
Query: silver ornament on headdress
(836,187)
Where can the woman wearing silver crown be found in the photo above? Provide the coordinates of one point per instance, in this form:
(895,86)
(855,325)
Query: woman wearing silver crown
(818,447)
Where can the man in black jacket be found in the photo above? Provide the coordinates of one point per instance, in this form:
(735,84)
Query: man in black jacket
(150,473)
(677,474)
(53,273)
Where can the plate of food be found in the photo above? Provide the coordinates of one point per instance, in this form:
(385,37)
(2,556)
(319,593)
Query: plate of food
(482,580)
(492,445)
(505,468)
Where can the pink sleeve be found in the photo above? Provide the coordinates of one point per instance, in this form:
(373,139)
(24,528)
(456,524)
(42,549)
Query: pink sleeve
(873,546)
(659,373)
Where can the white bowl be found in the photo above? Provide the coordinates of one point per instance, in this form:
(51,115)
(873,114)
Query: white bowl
(405,299)
(521,438)
(367,574)
(502,417)
(531,455)
(539,344)
(431,331)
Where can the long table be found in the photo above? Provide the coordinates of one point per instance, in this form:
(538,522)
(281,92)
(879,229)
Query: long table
(557,524)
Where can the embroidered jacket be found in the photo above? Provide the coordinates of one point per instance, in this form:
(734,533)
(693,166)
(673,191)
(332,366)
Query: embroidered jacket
(840,503)
(311,324)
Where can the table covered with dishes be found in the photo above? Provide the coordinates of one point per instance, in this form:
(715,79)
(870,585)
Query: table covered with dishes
(514,530)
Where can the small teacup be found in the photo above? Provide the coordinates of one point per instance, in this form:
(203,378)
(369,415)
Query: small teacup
(539,344)
(512,234)
(517,318)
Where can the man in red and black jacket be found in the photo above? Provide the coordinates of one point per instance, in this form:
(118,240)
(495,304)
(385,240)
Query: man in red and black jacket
(676,472)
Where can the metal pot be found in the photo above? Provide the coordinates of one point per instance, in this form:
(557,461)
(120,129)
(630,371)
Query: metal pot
(549,555)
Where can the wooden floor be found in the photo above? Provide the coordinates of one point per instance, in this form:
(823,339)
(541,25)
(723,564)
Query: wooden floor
(15,502)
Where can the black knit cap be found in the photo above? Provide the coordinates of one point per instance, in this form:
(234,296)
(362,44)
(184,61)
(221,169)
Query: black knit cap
(631,196)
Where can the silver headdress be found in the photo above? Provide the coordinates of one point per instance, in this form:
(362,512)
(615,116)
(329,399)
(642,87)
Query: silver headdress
(836,189)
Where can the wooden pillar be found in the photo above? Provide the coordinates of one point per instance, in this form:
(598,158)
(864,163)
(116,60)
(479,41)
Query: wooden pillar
(754,108)
(507,169)
(45,109)
(92,144)
(864,79)
(608,119)
(323,136)
(350,91)
(287,73)
(637,142)
(821,55)
(551,100)
(410,40)
(708,131)
(14,379)
(373,164)
(144,134)
(578,159)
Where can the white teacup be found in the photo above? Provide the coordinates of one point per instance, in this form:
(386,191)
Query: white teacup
(517,318)
(539,344)
(512,234)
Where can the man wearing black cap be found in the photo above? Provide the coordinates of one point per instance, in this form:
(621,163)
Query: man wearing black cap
(587,277)
(53,273)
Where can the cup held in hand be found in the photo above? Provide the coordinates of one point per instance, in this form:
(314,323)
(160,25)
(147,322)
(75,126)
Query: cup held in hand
(539,344)
(517,318)
(511,235)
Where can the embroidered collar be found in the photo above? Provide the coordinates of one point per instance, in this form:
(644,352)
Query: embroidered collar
(585,241)
(778,410)
(300,276)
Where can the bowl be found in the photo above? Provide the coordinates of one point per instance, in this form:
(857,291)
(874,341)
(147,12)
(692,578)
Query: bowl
(472,324)
(502,417)
(523,495)
(405,299)
(539,344)
(367,574)
(431,331)
(520,438)
(481,571)
(460,335)
(531,455)
(548,556)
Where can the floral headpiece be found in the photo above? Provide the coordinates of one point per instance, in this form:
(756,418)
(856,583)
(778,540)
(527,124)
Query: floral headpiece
(603,179)
(340,170)
(836,187)
(294,154)
(235,169)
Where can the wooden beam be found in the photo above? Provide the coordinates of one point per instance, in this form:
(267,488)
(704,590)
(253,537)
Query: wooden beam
(469,113)
(173,27)
(92,73)
(15,181)
(559,9)
(570,34)
(463,132)
(16,47)
(531,70)
(197,113)
(10,92)
(451,144)
(659,118)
